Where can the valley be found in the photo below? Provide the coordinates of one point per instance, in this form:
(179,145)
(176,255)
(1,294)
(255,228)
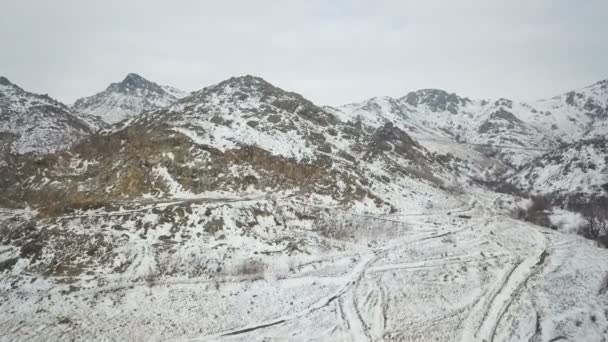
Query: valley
(245,212)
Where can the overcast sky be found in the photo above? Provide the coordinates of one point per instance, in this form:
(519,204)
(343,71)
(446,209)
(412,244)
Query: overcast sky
(332,52)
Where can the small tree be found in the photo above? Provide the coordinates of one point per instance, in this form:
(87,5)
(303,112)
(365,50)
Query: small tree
(596,218)
(595,214)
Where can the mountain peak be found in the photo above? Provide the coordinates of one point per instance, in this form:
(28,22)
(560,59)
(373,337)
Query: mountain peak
(247,80)
(248,84)
(134,84)
(4,81)
(247,102)
(132,96)
(132,77)
(436,99)
(135,81)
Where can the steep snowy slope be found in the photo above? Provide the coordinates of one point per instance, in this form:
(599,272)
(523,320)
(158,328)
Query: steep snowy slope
(132,96)
(37,123)
(579,168)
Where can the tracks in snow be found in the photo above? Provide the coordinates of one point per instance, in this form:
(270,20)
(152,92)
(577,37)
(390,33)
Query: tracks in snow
(489,312)
(345,298)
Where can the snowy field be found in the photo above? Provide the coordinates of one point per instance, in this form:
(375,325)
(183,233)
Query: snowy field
(470,275)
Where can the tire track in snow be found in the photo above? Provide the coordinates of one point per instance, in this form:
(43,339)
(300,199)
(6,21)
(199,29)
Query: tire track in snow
(349,310)
(494,309)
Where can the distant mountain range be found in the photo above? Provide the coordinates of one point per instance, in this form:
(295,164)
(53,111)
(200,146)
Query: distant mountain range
(529,128)
(488,138)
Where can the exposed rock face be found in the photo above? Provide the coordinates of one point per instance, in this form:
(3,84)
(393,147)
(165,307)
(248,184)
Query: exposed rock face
(436,100)
(391,138)
(127,98)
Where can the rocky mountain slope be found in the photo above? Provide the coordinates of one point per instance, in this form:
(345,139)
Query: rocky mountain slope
(240,135)
(435,115)
(32,123)
(515,132)
(575,115)
(571,170)
(127,98)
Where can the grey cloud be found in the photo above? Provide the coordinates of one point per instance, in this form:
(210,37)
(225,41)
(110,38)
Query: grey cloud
(333,52)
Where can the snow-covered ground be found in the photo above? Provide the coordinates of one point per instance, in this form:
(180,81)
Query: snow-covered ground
(455,271)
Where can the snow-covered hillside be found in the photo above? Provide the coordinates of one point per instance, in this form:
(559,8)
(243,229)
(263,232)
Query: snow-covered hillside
(434,115)
(125,99)
(579,168)
(578,114)
(244,135)
(516,132)
(262,268)
(37,123)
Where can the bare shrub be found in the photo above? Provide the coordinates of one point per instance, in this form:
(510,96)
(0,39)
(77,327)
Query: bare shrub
(252,268)
(357,227)
(596,218)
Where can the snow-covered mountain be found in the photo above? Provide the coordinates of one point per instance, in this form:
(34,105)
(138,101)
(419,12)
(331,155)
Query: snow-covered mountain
(245,212)
(249,111)
(575,169)
(435,115)
(37,123)
(578,114)
(516,132)
(246,134)
(127,98)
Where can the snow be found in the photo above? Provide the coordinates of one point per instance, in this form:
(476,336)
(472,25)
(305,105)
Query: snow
(567,221)
(431,277)
(127,99)
(543,123)
(576,168)
(40,124)
(424,254)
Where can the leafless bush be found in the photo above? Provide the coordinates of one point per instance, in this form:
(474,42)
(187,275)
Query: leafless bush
(357,227)
(252,268)
(596,218)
